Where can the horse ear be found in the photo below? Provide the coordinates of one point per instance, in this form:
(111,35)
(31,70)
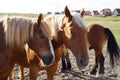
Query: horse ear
(82,12)
(40,17)
(67,13)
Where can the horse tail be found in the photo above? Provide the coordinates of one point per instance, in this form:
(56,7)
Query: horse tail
(112,46)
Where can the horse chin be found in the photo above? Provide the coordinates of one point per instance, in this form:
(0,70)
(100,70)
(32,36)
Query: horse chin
(41,64)
(81,64)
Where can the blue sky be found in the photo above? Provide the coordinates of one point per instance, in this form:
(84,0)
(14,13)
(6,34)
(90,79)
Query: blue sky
(44,6)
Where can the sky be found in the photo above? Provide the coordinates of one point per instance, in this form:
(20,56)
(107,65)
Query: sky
(44,6)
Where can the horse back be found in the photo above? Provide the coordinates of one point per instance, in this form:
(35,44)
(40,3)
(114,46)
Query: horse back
(96,36)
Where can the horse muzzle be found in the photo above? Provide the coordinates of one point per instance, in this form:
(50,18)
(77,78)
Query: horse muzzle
(46,60)
(81,63)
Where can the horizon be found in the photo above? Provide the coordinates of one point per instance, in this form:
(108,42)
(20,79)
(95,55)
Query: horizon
(44,6)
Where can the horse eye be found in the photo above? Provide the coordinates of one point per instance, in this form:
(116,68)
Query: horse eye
(71,31)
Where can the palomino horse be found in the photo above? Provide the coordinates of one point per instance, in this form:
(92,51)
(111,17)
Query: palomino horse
(69,30)
(28,58)
(15,32)
(97,42)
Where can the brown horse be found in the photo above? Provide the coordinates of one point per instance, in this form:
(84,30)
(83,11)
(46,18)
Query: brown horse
(15,32)
(97,42)
(65,30)
(97,36)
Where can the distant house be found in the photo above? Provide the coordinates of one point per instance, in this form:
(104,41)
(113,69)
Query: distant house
(49,12)
(116,12)
(78,11)
(106,12)
(57,12)
(94,13)
(87,13)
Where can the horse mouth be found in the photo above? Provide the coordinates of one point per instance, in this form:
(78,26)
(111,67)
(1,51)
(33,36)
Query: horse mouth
(46,60)
(41,64)
(81,63)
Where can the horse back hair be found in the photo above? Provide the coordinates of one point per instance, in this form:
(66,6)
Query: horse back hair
(112,46)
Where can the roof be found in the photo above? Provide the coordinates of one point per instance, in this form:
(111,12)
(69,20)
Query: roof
(118,10)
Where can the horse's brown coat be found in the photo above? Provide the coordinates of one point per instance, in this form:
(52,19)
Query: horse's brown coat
(10,50)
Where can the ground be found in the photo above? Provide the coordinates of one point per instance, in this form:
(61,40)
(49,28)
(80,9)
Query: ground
(75,73)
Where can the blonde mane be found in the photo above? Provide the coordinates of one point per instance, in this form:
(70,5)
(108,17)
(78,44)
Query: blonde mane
(79,20)
(18,30)
(46,29)
(55,24)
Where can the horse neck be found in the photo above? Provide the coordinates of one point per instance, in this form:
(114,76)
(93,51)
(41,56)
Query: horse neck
(2,37)
(59,41)
(1,29)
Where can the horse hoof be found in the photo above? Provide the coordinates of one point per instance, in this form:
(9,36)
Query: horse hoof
(61,71)
(69,68)
(99,75)
(93,72)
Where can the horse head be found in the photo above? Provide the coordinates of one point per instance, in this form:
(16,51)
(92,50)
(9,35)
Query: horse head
(74,36)
(41,42)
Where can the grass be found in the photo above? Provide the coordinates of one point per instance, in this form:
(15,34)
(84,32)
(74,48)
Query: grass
(19,14)
(111,22)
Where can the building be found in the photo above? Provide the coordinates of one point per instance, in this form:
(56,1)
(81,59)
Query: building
(106,12)
(116,12)
(94,13)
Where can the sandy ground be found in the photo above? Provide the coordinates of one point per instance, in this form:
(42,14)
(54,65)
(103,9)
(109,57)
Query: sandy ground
(75,73)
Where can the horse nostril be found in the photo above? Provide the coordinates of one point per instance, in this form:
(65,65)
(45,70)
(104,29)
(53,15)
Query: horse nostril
(47,60)
(81,61)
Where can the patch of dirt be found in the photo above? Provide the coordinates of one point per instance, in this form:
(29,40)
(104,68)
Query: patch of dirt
(75,73)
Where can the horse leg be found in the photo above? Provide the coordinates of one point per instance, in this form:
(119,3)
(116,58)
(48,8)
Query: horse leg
(64,67)
(68,61)
(21,73)
(101,64)
(51,72)
(33,72)
(5,75)
(4,78)
(11,75)
(94,69)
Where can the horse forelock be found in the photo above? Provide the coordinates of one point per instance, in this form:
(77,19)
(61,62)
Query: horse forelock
(55,22)
(18,30)
(46,29)
(79,20)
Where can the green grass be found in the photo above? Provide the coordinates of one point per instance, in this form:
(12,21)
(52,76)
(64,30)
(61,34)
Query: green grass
(111,22)
(19,14)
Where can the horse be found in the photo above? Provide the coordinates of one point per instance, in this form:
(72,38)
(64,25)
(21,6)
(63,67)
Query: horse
(28,57)
(97,42)
(65,31)
(17,32)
